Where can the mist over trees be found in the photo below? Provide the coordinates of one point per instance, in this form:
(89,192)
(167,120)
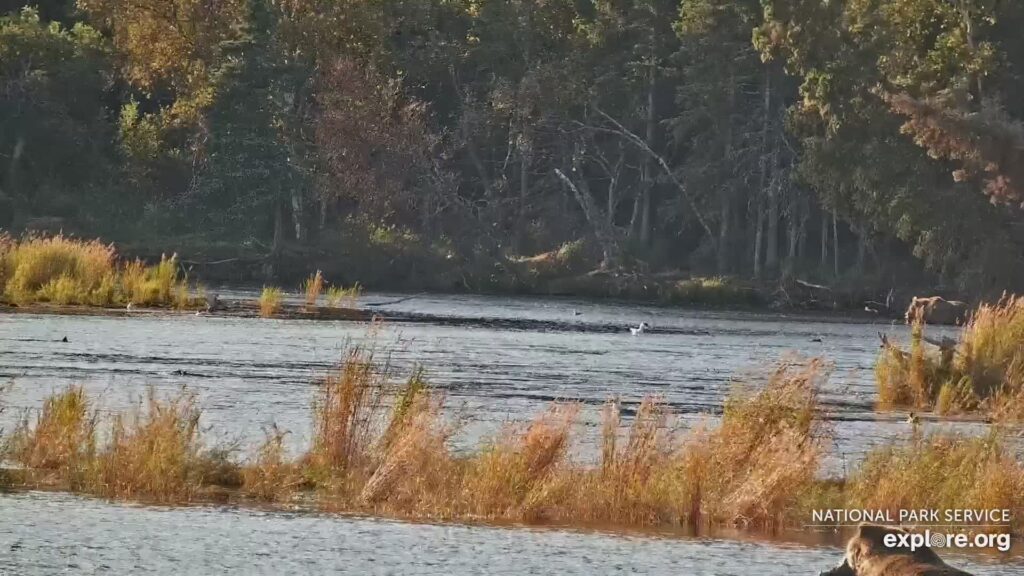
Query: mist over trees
(867,141)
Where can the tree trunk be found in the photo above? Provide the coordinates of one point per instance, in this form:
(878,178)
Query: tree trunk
(524,135)
(297,213)
(835,245)
(823,263)
(606,236)
(725,213)
(648,168)
(769,177)
(758,239)
(862,247)
(793,222)
(771,259)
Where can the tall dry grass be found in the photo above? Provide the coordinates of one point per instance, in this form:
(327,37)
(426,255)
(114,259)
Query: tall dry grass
(270,301)
(382,445)
(345,412)
(58,447)
(62,270)
(159,284)
(940,473)
(272,476)
(340,296)
(982,372)
(156,453)
(312,287)
(57,269)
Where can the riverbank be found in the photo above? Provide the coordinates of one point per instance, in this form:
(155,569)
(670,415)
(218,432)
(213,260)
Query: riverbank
(568,272)
(381,448)
(58,271)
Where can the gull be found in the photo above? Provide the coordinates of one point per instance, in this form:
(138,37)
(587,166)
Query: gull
(639,329)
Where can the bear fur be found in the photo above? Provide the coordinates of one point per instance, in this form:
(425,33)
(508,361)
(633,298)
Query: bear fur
(867,555)
(936,310)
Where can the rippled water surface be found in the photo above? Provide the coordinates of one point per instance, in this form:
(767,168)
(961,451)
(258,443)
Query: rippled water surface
(58,534)
(497,359)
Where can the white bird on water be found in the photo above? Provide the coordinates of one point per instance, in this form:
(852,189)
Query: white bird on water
(639,329)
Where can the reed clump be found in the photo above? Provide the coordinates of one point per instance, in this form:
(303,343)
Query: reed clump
(312,287)
(766,451)
(58,447)
(159,284)
(272,476)
(270,301)
(64,271)
(58,269)
(156,453)
(382,446)
(342,297)
(940,473)
(982,371)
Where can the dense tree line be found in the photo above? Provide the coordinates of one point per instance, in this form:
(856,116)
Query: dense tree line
(854,139)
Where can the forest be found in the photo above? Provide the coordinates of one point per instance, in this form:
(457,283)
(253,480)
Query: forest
(457,143)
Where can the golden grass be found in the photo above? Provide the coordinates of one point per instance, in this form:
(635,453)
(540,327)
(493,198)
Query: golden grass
(715,291)
(339,296)
(155,453)
(57,268)
(382,446)
(159,284)
(983,372)
(271,476)
(60,444)
(64,271)
(940,473)
(312,287)
(270,301)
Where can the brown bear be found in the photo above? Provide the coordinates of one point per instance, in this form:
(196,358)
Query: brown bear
(936,310)
(868,555)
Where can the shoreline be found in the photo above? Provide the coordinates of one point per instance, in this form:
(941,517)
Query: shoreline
(249,308)
(827,537)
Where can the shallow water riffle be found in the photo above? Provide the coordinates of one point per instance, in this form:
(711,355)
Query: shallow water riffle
(496,359)
(51,533)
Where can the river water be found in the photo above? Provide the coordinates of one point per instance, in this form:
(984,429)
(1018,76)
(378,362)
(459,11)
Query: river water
(59,534)
(498,360)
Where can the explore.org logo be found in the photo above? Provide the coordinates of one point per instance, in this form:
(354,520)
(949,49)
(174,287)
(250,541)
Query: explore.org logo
(913,541)
(953,528)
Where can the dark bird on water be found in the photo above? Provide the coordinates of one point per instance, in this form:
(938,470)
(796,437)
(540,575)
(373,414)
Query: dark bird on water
(64,339)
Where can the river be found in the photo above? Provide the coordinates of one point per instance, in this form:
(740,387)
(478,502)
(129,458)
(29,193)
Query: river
(496,359)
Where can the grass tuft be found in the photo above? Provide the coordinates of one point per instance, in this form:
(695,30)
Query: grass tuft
(59,445)
(65,271)
(312,287)
(156,454)
(339,296)
(54,269)
(382,447)
(940,473)
(270,301)
(983,371)
(271,477)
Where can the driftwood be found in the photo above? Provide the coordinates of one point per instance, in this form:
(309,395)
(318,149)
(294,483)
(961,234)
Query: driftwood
(395,301)
(807,284)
